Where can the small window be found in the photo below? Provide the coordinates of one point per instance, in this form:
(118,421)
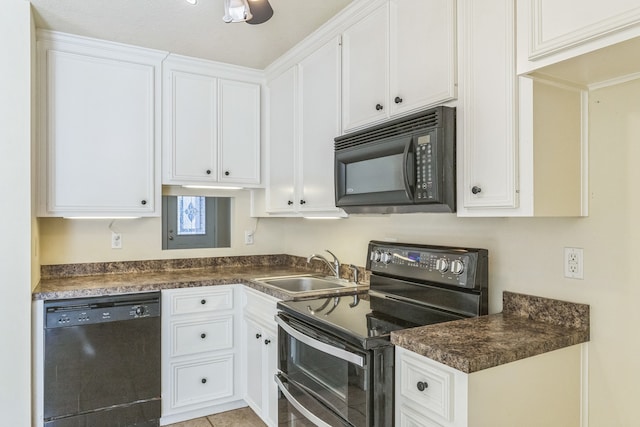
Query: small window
(196,222)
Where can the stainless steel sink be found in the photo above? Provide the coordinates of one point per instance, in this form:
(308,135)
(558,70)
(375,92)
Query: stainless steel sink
(306,283)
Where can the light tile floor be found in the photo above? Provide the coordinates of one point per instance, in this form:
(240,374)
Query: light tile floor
(243,417)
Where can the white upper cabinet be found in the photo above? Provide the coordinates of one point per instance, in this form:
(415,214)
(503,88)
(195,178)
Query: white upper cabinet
(98,132)
(319,83)
(211,124)
(398,59)
(487,114)
(304,120)
(551,31)
(423,54)
(280,193)
(365,70)
(521,142)
(239,132)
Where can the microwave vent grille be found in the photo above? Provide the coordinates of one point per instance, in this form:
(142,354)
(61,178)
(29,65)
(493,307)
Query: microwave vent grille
(403,126)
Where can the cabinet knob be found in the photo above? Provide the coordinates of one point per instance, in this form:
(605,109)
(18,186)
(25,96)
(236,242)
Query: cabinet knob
(203,381)
(208,171)
(258,336)
(203,301)
(144,202)
(397,100)
(289,202)
(475,189)
(203,336)
(379,107)
(266,342)
(302,202)
(227,173)
(422,385)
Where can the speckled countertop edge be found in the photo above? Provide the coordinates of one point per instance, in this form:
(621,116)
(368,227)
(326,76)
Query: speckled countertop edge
(528,326)
(99,279)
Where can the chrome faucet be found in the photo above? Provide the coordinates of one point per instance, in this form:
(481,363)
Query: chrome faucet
(335,267)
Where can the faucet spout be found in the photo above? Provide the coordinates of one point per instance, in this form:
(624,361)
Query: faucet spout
(335,267)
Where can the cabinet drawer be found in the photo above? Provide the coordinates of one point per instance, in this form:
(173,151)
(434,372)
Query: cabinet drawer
(201,300)
(202,380)
(200,336)
(437,385)
(410,418)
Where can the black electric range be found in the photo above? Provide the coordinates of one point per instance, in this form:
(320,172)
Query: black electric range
(335,355)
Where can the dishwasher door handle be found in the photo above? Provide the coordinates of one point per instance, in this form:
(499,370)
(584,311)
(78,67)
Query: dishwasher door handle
(319,345)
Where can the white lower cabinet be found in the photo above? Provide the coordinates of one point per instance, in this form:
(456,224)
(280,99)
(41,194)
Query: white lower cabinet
(543,390)
(201,352)
(260,337)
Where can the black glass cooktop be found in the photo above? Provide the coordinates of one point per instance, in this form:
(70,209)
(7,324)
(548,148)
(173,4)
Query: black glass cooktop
(365,320)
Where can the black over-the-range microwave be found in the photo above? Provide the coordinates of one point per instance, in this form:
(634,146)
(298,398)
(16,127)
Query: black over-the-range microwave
(405,165)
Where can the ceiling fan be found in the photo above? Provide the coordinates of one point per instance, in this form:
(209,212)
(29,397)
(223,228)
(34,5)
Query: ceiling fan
(249,11)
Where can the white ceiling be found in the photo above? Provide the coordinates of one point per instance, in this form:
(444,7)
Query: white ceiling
(192,30)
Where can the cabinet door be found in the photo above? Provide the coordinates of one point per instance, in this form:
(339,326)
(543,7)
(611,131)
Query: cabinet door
(239,130)
(99,135)
(423,53)
(270,343)
(487,127)
(254,343)
(365,71)
(319,76)
(559,25)
(282,130)
(192,119)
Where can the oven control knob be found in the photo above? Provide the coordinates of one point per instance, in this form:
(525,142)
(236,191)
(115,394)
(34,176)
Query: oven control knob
(457,267)
(376,256)
(387,257)
(442,265)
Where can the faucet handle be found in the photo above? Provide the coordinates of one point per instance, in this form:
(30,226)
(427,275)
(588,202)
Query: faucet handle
(355,273)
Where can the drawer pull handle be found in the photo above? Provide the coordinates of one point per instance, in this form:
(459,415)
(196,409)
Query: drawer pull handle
(258,336)
(203,302)
(266,342)
(422,385)
(203,336)
(204,381)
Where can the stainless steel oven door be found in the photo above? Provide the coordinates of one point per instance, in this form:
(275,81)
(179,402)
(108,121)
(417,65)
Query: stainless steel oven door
(326,380)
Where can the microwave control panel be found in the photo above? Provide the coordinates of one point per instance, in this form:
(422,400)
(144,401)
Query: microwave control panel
(426,168)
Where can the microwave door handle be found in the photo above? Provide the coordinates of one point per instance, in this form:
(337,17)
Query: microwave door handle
(408,169)
(319,345)
(294,402)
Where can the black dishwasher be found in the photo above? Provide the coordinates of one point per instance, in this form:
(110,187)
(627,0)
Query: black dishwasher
(102,361)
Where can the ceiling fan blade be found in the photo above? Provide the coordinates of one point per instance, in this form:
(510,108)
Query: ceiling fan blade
(261,11)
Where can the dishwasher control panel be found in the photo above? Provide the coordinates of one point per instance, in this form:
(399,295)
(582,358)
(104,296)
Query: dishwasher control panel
(86,311)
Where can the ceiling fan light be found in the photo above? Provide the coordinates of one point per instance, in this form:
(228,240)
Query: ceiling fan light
(236,11)
(261,11)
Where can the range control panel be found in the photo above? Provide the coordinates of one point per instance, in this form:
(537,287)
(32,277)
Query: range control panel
(462,267)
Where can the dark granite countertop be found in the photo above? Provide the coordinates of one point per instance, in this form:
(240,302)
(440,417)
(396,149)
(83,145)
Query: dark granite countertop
(97,279)
(528,326)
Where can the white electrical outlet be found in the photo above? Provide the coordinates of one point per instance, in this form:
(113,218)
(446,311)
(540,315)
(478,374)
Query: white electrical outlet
(573,263)
(116,240)
(248,237)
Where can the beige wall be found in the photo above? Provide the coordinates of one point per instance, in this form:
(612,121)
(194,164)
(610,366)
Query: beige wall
(72,241)
(525,254)
(15,188)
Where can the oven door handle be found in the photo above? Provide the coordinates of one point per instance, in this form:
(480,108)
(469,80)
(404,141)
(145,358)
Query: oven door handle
(299,406)
(319,345)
